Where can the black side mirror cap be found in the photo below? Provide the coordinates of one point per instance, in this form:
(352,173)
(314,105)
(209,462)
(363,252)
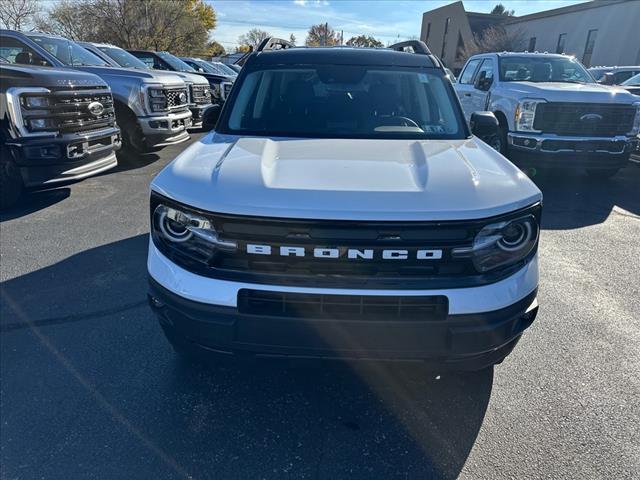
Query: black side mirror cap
(483,125)
(210,117)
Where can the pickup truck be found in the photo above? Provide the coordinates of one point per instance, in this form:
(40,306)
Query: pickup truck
(152,109)
(199,91)
(343,208)
(220,84)
(56,126)
(551,111)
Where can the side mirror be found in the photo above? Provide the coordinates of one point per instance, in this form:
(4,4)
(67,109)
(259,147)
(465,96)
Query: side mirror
(210,117)
(482,82)
(608,79)
(484,125)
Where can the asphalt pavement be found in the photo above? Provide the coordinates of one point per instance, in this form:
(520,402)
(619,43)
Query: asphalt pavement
(90,389)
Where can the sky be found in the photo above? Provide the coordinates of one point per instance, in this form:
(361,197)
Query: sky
(387,20)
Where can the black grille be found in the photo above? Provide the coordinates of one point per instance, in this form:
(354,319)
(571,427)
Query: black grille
(343,307)
(377,272)
(584,119)
(200,94)
(173,97)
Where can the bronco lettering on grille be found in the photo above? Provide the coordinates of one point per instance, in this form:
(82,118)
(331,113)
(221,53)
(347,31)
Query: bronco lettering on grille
(343,252)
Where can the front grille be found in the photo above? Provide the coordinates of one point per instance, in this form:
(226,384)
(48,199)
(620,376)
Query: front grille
(343,307)
(310,271)
(68,110)
(584,119)
(173,97)
(200,94)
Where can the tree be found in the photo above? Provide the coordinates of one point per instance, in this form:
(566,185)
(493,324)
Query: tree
(253,38)
(181,26)
(364,41)
(17,14)
(322,35)
(495,39)
(500,9)
(292,39)
(215,49)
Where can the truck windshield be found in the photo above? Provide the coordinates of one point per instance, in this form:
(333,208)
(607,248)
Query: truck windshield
(543,69)
(123,58)
(225,70)
(633,81)
(68,52)
(175,62)
(345,101)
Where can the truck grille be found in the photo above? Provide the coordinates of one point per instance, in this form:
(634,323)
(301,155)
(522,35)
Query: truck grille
(274,269)
(173,98)
(584,119)
(200,94)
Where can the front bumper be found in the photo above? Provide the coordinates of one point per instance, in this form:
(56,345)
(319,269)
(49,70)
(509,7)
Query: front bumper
(547,150)
(45,161)
(480,326)
(197,114)
(170,129)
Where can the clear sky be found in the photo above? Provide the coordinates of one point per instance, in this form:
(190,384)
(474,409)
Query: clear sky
(386,20)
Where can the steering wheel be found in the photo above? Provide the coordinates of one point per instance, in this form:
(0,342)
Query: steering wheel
(398,120)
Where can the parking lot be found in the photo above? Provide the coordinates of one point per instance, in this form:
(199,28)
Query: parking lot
(91,389)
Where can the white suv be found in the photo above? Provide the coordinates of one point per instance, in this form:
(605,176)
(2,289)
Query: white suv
(551,111)
(342,208)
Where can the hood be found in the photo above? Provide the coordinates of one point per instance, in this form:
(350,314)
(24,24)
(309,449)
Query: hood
(572,92)
(49,77)
(147,76)
(346,179)
(194,78)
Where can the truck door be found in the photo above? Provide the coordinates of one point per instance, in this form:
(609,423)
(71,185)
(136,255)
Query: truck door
(464,86)
(482,83)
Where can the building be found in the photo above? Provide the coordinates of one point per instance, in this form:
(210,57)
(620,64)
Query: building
(597,32)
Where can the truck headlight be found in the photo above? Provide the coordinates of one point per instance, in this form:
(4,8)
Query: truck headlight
(26,107)
(635,130)
(35,102)
(42,124)
(502,243)
(526,113)
(185,234)
(156,98)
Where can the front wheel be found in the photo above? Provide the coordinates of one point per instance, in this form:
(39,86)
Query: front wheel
(499,141)
(11,184)
(603,173)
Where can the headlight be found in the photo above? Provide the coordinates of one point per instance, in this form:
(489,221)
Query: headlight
(526,113)
(156,98)
(186,234)
(35,102)
(156,93)
(636,122)
(42,124)
(502,243)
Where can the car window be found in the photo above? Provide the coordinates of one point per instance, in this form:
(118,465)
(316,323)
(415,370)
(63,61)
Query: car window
(340,101)
(122,57)
(466,76)
(620,77)
(226,70)
(633,81)
(543,69)
(151,61)
(68,52)
(487,68)
(175,62)
(14,51)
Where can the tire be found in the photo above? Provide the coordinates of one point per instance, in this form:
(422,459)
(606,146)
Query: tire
(11,184)
(132,137)
(499,141)
(602,173)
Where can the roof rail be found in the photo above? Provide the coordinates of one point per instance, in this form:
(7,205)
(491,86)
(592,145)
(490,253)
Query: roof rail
(417,46)
(273,43)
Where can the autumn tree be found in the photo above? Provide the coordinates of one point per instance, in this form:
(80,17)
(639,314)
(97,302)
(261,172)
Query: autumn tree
(364,41)
(215,49)
(17,14)
(253,38)
(322,35)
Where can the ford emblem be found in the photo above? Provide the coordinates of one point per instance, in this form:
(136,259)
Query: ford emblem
(183,98)
(591,117)
(96,108)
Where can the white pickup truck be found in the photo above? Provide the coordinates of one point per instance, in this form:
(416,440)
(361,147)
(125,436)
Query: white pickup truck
(551,111)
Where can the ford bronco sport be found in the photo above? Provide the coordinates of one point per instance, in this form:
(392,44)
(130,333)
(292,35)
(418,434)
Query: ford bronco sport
(342,208)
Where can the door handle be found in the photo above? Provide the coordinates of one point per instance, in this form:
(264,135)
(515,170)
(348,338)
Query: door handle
(467,94)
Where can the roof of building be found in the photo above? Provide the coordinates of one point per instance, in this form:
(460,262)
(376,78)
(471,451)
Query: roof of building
(565,10)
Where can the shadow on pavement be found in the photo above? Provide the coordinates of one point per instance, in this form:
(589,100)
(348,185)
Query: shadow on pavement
(33,201)
(574,200)
(88,378)
(132,161)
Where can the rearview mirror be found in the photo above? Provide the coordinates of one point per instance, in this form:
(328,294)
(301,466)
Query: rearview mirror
(210,117)
(482,82)
(484,125)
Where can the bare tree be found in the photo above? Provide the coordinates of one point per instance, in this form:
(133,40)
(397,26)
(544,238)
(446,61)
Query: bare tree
(253,37)
(494,39)
(500,9)
(17,14)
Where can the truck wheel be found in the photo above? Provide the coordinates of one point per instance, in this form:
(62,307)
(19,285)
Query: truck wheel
(11,184)
(499,141)
(602,173)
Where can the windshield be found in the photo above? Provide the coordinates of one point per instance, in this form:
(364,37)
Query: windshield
(341,101)
(633,81)
(543,69)
(175,62)
(225,70)
(205,66)
(68,52)
(122,57)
